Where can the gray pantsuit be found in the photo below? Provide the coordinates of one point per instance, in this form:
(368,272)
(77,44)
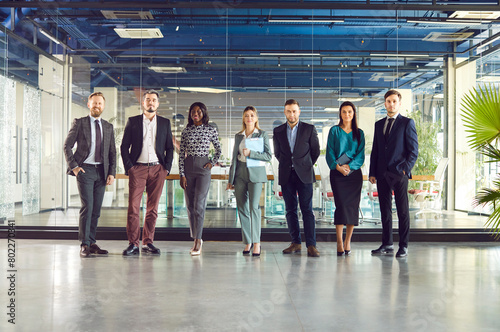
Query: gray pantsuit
(198,184)
(247,199)
(247,184)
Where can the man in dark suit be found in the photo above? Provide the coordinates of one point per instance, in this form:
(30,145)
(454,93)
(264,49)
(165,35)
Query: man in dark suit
(296,146)
(94,165)
(147,152)
(394,153)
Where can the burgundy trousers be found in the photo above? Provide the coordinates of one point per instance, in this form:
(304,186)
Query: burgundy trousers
(151,178)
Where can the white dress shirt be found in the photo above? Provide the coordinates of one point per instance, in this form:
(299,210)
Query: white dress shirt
(387,121)
(241,156)
(91,157)
(148,153)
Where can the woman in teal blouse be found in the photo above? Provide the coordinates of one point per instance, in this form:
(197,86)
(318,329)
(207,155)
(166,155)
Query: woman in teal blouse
(345,154)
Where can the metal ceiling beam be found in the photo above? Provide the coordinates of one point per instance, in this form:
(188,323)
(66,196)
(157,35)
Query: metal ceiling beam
(35,48)
(432,54)
(263,68)
(221,5)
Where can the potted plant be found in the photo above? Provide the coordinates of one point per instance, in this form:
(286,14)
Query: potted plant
(481,115)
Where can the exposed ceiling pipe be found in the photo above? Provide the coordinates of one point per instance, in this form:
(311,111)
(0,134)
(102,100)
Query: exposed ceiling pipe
(19,14)
(442,5)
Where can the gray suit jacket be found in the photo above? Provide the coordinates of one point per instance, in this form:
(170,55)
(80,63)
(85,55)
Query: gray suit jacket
(256,174)
(81,135)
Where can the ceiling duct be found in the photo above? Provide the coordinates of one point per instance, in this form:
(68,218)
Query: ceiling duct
(139,33)
(127,14)
(446,37)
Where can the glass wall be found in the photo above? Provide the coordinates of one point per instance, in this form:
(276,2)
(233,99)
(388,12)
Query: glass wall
(51,80)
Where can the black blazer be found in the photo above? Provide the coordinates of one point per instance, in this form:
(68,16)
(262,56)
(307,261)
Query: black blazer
(80,133)
(305,152)
(399,153)
(133,138)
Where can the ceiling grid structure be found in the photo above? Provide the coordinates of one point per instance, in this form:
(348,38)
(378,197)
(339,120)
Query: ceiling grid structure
(319,51)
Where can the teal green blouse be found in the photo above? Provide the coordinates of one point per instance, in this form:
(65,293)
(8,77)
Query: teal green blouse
(339,142)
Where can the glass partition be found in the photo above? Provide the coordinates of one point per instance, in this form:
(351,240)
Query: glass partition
(227,63)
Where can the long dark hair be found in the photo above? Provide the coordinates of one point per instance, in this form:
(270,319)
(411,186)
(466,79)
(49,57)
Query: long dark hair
(203,109)
(354,123)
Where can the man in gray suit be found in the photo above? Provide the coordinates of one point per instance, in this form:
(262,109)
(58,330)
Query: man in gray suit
(94,165)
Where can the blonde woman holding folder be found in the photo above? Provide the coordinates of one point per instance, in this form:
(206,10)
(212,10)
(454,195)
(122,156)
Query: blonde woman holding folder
(246,176)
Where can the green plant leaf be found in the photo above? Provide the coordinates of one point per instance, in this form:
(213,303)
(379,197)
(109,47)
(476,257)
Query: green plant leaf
(491,152)
(487,196)
(480,113)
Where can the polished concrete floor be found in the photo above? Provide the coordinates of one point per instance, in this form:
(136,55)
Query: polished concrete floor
(438,287)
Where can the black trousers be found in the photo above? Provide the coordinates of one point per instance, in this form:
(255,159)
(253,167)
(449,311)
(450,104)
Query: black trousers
(91,186)
(385,185)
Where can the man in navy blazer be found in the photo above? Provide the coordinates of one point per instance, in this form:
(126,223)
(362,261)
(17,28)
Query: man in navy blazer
(296,146)
(147,151)
(94,165)
(394,153)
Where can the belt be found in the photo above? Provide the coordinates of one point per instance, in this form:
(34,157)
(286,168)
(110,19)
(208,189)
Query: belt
(93,165)
(149,164)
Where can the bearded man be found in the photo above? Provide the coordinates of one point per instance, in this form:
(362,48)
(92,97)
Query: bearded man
(94,165)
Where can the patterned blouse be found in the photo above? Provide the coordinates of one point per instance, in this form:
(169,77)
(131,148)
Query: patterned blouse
(195,141)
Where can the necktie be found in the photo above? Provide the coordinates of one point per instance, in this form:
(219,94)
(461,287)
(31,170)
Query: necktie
(388,129)
(98,157)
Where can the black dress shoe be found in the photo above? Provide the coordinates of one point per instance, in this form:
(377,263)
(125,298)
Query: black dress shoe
(84,251)
(347,252)
(131,250)
(383,249)
(257,254)
(151,249)
(94,249)
(246,252)
(402,252)
(340,253)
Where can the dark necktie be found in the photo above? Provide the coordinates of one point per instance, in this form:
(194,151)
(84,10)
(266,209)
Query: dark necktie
(388,129)
(98,158)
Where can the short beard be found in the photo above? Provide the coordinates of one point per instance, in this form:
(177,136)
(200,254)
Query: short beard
(150,110)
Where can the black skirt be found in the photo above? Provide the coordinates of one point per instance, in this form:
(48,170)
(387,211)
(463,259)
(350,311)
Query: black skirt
(347,194)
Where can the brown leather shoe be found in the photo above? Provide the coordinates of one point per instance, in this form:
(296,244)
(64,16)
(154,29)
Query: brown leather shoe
(84,251)
(312,251)
(294,247)
(94,249)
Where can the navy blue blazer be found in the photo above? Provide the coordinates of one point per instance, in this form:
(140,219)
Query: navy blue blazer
(305,152)
(131,146)
(399,153)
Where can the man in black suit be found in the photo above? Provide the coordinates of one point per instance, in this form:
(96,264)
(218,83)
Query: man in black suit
(394,153)
(147,152)
(296,146)
(94,165)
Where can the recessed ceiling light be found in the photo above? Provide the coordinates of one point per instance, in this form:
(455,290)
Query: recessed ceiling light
(288,54)
(401,55)
(46,34)
(304,21)
(205,90)
(166,70)
(137,33)
(478,15)
(349,99)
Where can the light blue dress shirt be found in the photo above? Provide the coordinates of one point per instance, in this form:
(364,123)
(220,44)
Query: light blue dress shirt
(291,133)
(91,158)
